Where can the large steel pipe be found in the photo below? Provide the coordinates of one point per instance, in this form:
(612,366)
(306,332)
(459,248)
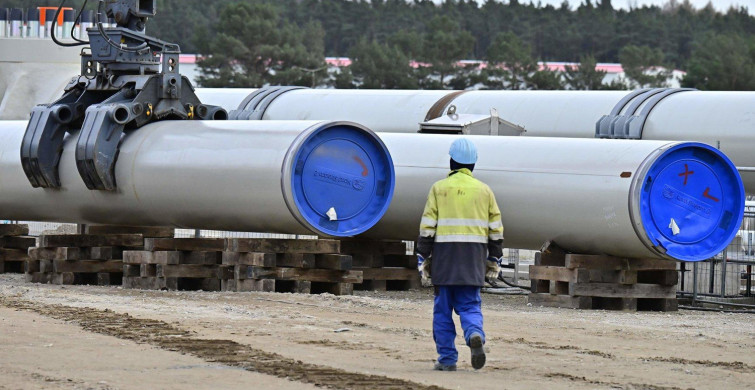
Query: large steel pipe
(327,178)
(725,120)
(674,200)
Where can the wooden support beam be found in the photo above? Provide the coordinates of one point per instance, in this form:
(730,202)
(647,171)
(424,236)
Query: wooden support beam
(18,242)
(249,258)
(87,240)
(296,260)
(186,271)
(564,301)
(87,266)
(604,262)
(560,274)
(310,275)
(184,244)
(13,230)
(337,262)
(615,290)
(14,254)
(389,273)
(273,245)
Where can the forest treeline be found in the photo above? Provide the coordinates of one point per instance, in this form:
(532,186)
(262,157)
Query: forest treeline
(257,42)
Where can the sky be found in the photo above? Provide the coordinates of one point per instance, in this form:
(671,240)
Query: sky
(721,5)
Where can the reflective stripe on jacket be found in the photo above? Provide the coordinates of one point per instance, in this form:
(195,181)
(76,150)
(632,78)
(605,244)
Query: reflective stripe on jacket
(460,226)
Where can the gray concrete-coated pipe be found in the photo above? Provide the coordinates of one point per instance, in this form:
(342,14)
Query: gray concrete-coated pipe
(616,197)
(327,178)
(725,120)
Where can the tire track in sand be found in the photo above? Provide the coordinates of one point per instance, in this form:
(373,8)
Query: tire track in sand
(231,353)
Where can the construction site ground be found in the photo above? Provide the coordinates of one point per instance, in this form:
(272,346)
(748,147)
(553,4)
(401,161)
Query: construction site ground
(87,337)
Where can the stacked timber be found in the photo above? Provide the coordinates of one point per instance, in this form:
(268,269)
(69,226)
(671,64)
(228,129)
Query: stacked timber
(578,281)
(14,245)
(95,257)
(241,264)
(385,265)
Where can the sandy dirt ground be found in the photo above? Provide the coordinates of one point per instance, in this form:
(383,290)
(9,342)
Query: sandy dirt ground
(85,337)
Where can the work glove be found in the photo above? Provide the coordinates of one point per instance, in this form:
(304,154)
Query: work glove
(493,270)
(423,265)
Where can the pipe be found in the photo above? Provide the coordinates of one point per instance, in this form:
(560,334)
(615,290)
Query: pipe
(615,197)
(328,178)
(724,120)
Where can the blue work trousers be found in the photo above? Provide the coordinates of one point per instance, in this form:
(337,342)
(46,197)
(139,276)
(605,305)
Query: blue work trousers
(465,300)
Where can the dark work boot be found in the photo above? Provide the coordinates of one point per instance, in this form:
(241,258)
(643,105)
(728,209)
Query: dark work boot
(478,353)
(443,367)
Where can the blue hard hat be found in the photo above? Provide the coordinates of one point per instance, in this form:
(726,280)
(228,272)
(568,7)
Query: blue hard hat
(463,151)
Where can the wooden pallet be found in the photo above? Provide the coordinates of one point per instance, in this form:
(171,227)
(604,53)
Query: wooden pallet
(171,269)
(281,265)
(241,264)
(95,257)
(384,265)
(578,281)
(14,244)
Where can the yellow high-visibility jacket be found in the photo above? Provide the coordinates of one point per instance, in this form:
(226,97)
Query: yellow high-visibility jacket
(461,226)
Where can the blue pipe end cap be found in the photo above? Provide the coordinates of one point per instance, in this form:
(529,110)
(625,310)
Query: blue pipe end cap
(692,202)
(343,180)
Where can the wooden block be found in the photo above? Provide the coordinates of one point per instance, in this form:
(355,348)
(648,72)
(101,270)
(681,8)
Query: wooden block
(249,258)
(18,242)
(105,253)
(186,271)
(31,266)
(274,245)
(664,278)
(184,244)
(87,240)
(2,267)
(296,260)
(338,262)
(389,273)
(615,290)
(201,257)
(611,276)
(617,263)
(226,272)
(564,301)
(404,261)
(131,270)
(61,253)
(38,277)
(13,230)
(558,288)
(146,231)
(364,260)
(229,285)
(310,275)
(66,278)
(87,266)
(45,266)
(332,288)
(371,285)
(561,274)
(550,254)
(146,257)
(247,285)
(14,254)
(148,270)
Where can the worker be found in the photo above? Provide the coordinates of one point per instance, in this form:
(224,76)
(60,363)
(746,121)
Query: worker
(461,229)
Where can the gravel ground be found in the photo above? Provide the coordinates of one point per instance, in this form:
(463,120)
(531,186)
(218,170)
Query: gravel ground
(66,337)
